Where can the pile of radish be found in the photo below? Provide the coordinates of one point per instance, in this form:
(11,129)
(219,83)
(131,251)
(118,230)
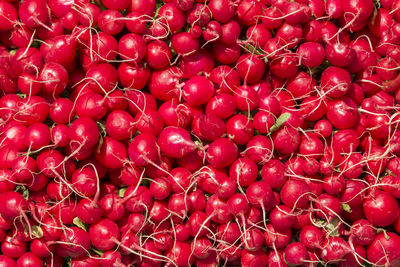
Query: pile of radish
(199,133)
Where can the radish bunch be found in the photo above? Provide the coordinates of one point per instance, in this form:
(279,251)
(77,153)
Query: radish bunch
(199,133)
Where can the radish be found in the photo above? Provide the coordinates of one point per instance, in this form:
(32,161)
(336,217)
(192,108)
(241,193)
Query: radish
(282,218)
(246,98)
(294,194)
(33,13)
(342,113)
(311,236)
(60,49)
(221,153)
(376,203)
(112,206)
(222,10)
(250,68)
(244,171)
(75,242)
(62,110)
(83,133)
(382,245)
(200,62)
(276,239)
(13,205)
(29,259)
(180,254)
(334,249)
(295,254)
(275,258)
(240,128)
(335,82)
(197,91)
(103,234)
(12,247)
(7,261)
(9,15)
(175,142)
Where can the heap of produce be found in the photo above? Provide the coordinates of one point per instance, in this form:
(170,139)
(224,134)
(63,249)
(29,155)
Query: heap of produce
(200,133)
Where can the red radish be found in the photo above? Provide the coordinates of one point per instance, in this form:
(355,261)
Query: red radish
(158,54)
(275,258)
(83,133)
(282,218)
(24,169)
(228,232)
(175,142)
(334,249)
(137,199)
(163,84)
(362,232)
(13,205)
(62,110)
(311,236)
(260,194)
(197,63)
(240,129)
(59,49)
(180,254)
(33,13)
(295,194)
(75,242)
(250,68)
(26,60)
(296,253)
(244,171)
(276,239)
(8,15)
(201,248)
(101,78)
(104,234)
(328,206)
(198,224)
(111,153)
(32,109)
(88,211)
(184,43)
(21,36)
(173,16)
(226,78)
(339,54)
(198,90)
(120,125)
(259,149)
(7,261)
(301,85)
(246,98)
(248,12)
(110,22)
(342,113)
(374,206)
(286,140)
(37,136)
(112,206)
(253,240)
(222,10)
(221,153)
(226,53)
(335,82)
(383,249)
(212,32)
(59,135)
(54,77)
